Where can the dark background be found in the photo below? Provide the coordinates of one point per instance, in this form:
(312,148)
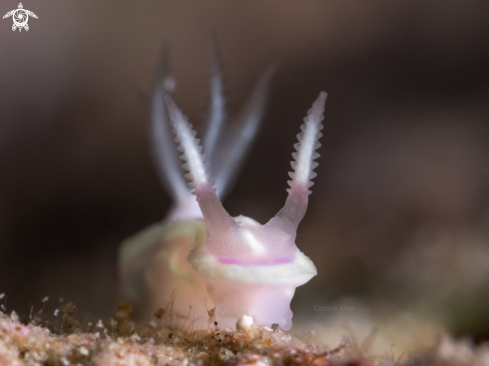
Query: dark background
(400,209)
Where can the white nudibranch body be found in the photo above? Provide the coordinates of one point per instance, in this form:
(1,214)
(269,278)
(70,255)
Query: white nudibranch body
(236,265)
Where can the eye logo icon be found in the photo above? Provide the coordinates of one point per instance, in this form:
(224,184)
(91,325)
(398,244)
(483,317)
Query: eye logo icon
(20,17)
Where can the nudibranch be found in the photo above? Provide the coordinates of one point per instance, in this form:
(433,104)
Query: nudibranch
(200,258)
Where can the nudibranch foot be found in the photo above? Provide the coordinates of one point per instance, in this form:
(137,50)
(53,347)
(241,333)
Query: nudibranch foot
(267,304)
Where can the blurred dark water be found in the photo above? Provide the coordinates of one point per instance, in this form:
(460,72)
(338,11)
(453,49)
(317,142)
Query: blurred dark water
(400,207)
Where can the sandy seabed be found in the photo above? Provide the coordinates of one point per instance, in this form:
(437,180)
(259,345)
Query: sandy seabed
(65,340)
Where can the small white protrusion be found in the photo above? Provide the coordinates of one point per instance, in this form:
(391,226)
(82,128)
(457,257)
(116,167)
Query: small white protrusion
(244,323)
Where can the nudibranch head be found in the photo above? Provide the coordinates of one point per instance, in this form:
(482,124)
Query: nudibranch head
(252,269)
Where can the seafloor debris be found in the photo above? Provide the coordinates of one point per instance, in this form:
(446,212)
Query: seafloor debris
(65,340)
